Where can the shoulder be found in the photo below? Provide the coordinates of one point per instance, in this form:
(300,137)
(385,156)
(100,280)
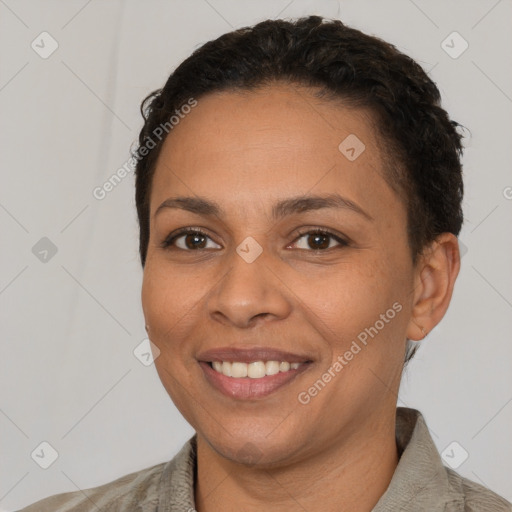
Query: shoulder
(476,497)
(136,491)
(421,480)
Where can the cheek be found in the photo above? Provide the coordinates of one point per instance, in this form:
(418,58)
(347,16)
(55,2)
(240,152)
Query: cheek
(363,307)
(349,297)
(170,302)
(168,294)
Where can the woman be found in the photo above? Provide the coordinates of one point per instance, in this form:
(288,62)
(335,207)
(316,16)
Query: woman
(299,191)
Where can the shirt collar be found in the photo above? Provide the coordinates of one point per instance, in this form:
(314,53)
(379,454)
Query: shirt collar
(176,492)
(420,481)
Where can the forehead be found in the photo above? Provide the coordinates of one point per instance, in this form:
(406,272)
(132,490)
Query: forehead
(275,140)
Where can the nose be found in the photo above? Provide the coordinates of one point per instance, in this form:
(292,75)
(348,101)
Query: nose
(249,293)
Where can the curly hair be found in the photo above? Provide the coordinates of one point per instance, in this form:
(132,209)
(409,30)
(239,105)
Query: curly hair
(421,146)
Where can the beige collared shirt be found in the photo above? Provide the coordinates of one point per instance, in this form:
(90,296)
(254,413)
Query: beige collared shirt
(420,483)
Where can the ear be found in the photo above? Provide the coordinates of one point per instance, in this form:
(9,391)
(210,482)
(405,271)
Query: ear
(435,275)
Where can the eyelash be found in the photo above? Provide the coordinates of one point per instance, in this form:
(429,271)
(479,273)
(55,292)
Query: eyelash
(168,242)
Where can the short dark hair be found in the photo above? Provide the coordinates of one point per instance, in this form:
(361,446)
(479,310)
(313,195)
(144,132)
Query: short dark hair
(421,147)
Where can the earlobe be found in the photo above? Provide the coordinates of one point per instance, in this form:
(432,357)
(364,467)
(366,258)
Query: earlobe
(436,273)
(416,332)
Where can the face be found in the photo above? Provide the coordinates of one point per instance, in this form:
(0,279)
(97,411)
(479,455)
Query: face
(302,257)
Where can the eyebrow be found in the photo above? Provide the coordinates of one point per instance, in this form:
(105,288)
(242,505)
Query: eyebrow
(281,209)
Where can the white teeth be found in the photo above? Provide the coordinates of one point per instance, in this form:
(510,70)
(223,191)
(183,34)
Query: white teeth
(271,367)
(238,369)
(226,368)
(254,370)
(284,366)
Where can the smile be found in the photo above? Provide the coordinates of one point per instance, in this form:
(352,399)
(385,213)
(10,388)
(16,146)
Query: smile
(254,370)
(250,381)
(250,373)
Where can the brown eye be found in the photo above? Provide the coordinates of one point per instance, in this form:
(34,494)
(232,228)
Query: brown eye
(319,240)
(194,241)
(189,240)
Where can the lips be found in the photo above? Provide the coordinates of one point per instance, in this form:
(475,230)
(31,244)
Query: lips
(245,355)
(247,388)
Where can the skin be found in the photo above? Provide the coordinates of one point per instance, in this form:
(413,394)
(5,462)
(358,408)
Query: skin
(246,151)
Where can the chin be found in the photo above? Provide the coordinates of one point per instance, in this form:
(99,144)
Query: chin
(257,450)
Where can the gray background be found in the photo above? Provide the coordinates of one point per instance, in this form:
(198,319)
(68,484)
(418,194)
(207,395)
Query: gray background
(70,323)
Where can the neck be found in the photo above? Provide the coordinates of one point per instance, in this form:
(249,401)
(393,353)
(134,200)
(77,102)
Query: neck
(349,476)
